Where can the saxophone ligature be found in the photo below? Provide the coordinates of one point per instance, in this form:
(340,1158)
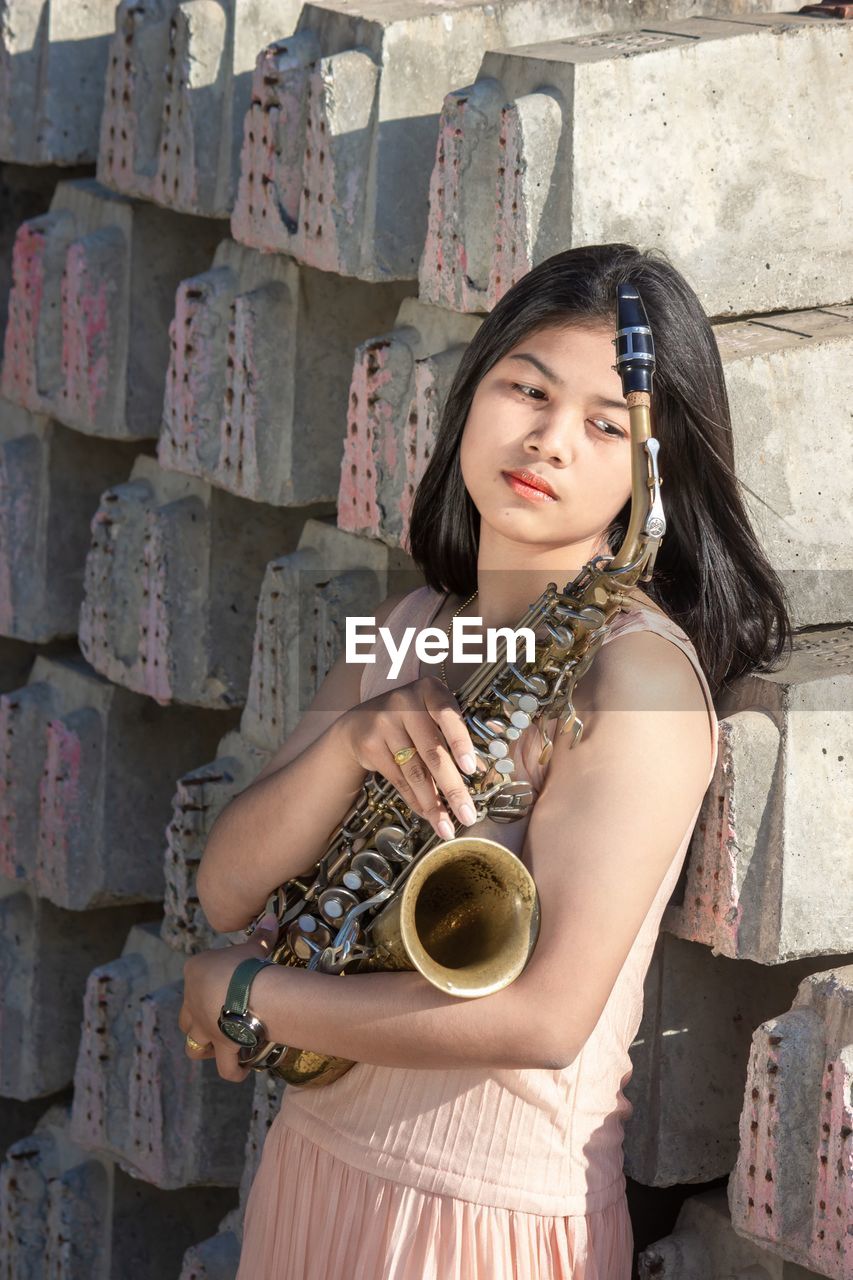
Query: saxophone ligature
(388,893)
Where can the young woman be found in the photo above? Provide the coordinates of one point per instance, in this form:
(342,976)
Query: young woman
(482,1139)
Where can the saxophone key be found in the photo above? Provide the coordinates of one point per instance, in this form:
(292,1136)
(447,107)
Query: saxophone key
(389,841)
(334,903)
(371,866)
(307,936)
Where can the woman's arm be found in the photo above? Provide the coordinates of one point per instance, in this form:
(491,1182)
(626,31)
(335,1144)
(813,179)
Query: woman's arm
(601,837)
(279,825)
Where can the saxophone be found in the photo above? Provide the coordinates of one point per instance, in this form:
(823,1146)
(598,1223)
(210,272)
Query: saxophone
(388,893)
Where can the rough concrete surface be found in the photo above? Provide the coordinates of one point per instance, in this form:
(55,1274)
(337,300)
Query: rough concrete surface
(260,362)
(86,276)
(722,142)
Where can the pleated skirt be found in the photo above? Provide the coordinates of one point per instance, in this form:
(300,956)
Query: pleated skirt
(310,1216)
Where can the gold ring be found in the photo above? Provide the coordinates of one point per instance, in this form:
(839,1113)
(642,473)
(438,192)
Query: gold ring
(404,754)
(194,1044)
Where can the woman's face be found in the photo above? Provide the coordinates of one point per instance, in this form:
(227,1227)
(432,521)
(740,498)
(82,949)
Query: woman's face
(554,406)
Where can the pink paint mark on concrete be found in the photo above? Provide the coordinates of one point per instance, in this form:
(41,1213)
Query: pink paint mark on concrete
(759,1128)
(88,330)
(421,429)
(358,504)
(712,912)
(25,302)
(512,256)
(191,409)
(266,211)
(831,1245)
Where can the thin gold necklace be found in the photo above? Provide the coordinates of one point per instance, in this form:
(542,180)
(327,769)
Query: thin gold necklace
(447,633)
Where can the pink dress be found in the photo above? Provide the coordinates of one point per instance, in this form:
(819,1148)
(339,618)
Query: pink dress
(467,1173)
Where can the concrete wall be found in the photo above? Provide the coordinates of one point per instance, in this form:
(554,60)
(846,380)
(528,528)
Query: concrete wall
(241,254)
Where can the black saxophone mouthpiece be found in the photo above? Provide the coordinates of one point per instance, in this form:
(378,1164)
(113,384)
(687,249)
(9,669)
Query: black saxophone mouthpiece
(635,350)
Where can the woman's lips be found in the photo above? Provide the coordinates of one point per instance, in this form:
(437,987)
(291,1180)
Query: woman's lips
(526,490)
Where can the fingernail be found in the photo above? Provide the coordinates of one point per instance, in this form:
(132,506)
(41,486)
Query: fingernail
(445,828)
(469,813)
(469,764)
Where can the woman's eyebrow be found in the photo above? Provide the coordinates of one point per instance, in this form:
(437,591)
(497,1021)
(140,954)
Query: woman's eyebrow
(537,363)
(554,377)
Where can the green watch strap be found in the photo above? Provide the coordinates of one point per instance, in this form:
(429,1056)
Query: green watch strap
(237,995)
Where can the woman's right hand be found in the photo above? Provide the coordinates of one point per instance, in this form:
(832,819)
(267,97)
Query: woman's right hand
(423,714)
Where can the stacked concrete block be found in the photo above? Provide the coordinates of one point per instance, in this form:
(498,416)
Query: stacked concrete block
(171,586)
(93,287)
(86,772)
(46,954)
(699,1014)
(399,384)
(792,1187)
(722,141)
(53,60)
(50,481)
(304,601)
(217,1257)
(340,136)
(261,357)
(201,796)
(70,1213)
(25,192)
(703,1246)
(138,1097)
(178,86)
(770,870)
(785,376)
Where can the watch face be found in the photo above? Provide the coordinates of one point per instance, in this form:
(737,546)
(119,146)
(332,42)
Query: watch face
(238,1031)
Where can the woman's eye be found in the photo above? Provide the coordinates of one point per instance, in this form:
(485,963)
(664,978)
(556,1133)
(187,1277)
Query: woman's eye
(524,388)
(613,431)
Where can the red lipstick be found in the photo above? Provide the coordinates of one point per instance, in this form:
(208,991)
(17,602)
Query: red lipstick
(529,485)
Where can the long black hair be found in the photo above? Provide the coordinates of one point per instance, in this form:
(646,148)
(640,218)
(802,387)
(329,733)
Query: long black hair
(711,575)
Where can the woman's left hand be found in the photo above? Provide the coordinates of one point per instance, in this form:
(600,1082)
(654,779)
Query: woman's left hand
(206,979)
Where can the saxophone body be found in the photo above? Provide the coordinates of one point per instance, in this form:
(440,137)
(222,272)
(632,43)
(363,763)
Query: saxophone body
(388,892)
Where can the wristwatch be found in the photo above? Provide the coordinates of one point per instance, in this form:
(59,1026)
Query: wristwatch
(235,1020)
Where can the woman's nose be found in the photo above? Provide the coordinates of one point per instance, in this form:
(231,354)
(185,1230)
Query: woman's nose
(553,440)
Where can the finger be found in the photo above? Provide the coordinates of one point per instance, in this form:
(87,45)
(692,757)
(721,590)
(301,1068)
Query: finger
(395,775)
(192,1052)
(228,1065)
(428,802)
(434,755)
(411,779)
(444,709)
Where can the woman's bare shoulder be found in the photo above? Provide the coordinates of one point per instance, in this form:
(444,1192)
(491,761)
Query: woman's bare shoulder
(643,670)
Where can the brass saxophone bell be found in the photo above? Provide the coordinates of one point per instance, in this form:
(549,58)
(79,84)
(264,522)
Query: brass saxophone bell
(467,918)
